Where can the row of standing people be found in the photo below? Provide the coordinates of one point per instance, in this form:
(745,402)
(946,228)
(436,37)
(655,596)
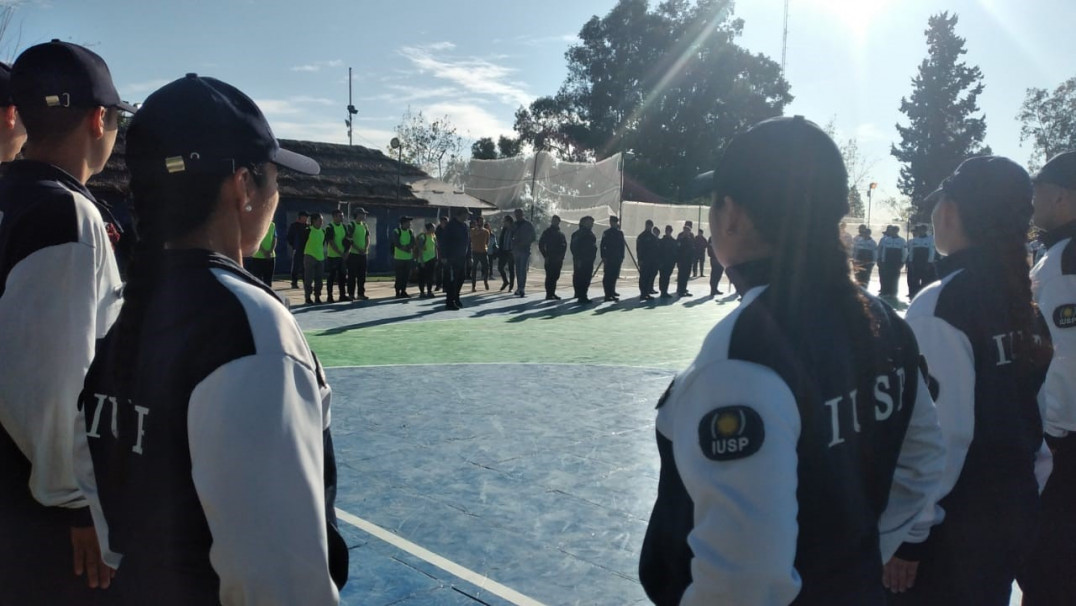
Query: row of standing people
(892,253)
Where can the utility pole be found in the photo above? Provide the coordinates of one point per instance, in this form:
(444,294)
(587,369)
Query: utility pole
(784,41)
(351,111)
(534,177)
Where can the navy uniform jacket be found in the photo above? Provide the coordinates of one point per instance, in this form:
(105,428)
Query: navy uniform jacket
(667,250)
(612,245)
(988,404)
(456,241)
(646,248)
(553,245)
(685,253)
(921,251)
(213,475)
(892,250)
(584,247)
(1053,281)
(864,250)
(789,473)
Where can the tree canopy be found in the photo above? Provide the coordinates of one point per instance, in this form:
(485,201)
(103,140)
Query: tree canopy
(1048,120)
(943,128)
(432,146)
(668,83)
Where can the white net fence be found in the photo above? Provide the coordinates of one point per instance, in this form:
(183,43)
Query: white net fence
(543,181)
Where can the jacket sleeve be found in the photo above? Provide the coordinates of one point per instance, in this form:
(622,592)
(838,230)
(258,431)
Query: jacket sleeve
(255,427)
(57,302)
(951,362)
(1053,296)
(745,530)
(915,480)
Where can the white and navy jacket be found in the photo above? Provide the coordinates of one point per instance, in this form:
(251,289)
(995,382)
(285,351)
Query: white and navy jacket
(1053,280)
(989,404)
(788,476)
(60,291)
(211,472)
(921,251)
(892,250)
(864,250)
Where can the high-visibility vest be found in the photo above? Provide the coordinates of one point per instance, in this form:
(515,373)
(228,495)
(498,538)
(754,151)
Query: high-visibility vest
(266,242)
(403,254)
(359,237)
(429,247)
(315,243)
(339,233)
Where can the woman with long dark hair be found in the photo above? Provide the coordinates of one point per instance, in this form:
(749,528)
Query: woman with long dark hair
(206,415)
(801,444)
(988,348)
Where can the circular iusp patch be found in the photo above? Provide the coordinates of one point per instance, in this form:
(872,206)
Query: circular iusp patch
(731,432)
(1065,316)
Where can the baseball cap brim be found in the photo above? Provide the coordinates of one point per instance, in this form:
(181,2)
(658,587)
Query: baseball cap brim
(296,162)
(125,106)
(701,186)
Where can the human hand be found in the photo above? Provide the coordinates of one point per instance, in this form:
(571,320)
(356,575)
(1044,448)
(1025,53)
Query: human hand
(898,575)
(87,554)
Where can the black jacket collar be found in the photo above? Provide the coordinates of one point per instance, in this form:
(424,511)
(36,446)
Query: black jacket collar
(750,274)
(1058,234)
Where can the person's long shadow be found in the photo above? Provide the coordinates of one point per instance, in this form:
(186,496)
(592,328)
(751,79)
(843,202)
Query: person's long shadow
(555,309)
(349,305)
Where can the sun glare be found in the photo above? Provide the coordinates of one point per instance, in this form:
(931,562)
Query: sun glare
(857,15)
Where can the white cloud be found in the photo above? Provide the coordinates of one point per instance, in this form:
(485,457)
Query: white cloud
(441,46)
(870,132)
(475,75)
(292,105)
(406,93)
(472,121)
(317,66)
(142,88)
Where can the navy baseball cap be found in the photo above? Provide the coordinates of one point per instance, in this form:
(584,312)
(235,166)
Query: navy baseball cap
(5,85)
(61,74)
(989,183)
(1060,171)
(197,123)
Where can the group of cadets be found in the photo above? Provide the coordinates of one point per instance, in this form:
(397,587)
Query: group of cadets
(168,439)
(336,253)
(891,254)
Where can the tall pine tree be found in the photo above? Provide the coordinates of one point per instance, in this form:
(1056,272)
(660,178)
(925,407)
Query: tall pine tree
(943,130)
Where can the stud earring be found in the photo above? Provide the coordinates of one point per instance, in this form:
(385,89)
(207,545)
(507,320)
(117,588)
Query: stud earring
(248,208)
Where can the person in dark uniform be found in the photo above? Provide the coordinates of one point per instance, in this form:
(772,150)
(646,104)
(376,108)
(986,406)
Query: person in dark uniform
(403,245)
(456,245)
(439,233)
(920,258)
(336,245)
(1048,578)
(584,249)
(612,251)
(892,253)
(801,445)
(646,253)
(505,261)
(864,255)
(480,237)
(685,258)
(216,481)
(716,269)
(667,253)
(987,346)
(296,239)
(358,255)
(60,291)
(553,246)
(701,245)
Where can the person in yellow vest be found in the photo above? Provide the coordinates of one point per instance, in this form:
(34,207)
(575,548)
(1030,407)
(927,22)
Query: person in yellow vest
(314,259)
(427,258)
(335,254)
(403,245)
(358,251)
(264,261)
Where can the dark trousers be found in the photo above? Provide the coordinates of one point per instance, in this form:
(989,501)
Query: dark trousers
(454,278)
(37,562)
(582,272)
(439,275)
(1049,574)
(700,265)
(335,273)
(479,260)
(506,261)
(262,269)
(716,271)
(919,275)
(647,275)
(612,274)
(403,272)
(863,273)
(889,272)
(312,273)
(356,275)
(665,278)
(296,267)
(683,274)
(427,276)
(552,274)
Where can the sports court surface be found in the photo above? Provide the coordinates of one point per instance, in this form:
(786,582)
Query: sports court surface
(504,453)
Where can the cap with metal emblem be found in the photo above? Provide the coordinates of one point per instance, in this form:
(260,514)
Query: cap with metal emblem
(61,74)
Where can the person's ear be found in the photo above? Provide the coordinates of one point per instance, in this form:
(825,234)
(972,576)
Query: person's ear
(96,120)
(240,188)
(8,117)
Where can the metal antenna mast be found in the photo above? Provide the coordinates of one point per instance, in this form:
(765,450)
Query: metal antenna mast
(784,40)
(351,111)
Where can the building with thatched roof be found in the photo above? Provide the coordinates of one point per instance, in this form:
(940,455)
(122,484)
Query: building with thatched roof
(351,177)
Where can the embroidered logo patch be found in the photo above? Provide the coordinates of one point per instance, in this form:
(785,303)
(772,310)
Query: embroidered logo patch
(731,432)
(1065,316)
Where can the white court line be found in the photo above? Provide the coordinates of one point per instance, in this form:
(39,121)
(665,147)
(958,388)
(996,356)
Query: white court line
(472,577)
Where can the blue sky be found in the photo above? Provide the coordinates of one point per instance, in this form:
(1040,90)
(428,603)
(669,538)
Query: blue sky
(478,60)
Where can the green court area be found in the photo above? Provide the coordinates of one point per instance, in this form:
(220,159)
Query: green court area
(503,329)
